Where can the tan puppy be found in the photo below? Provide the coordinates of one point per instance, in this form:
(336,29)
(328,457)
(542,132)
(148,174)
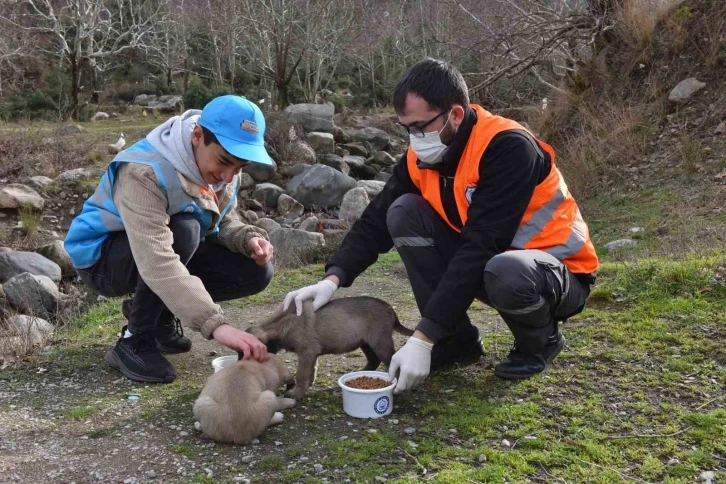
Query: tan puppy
(238,403)
(341,326)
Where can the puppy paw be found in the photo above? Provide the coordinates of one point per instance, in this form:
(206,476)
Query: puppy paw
(296,393)
(277,418)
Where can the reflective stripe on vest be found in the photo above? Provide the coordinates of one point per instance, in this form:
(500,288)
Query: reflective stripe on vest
(552,221)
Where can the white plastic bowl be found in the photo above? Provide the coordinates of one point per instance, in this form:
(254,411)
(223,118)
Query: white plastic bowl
(223,362)
(367,403)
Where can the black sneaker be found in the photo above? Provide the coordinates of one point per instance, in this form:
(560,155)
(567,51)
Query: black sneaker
(457,349)
(138,358)
(169,335)
(519,365)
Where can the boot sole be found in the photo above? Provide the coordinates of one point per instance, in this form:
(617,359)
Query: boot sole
(548,363)
(113,361)
(170,350)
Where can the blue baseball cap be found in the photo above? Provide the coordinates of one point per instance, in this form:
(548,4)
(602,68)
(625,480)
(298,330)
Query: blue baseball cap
(239,127)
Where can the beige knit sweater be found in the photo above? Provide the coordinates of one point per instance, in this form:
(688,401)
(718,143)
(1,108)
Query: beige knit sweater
(142,206)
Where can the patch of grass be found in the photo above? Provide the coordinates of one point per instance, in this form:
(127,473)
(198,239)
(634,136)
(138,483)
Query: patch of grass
(30,219)
(185,448)
(101,432)
(691,154)
(78,413)
(271,463)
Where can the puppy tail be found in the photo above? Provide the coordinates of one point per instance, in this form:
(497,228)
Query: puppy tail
(398,327)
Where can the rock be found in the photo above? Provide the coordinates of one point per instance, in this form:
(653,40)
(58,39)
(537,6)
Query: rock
(56,252)
(289,240)
(312,117)
(41,181)
(384,159)
(267,194)
(382,176)
(246,181)
(16,195)
(721,128)
(363,172)
(260,172)
(340,135)
(482,458)
(673,462)
(506,443)
(72,176)
(71,129)
(145,99)
(707,477)
(294,170)
(268,225)
(354,203)
(318,468)
(409,431)
(635,230)
(320,186)
(252,204)
(616,244)
(378,138)
(336,162)
(151,474)
(173,105)
(36,329)
(247,459)
(301,152)
(321,142)
(37,295)
(16,262)
(355,149)
(289,207)
(685,89)
(310,224)
(372,187)
(334,236)
(241,479)
(381,479)
(100,116)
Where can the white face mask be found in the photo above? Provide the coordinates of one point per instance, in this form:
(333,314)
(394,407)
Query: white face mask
(429,148)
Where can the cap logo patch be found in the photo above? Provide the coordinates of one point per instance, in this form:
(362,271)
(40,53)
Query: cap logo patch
(250,126)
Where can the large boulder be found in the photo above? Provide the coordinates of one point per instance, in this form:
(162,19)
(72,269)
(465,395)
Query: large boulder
(321,142)
(310,224)
(67,129)
(173,105)
(336,162)
(301,152)
(384,159)
(320,186)
(685,89)
(288,207)
(145,99)
(288,240)
(261,172)
(312,117)
(41,181)
(100,116)
(17,195)
(246,181)
(268,225)
(353,205)
(372,187)
(30,328)
(356,149)
(267,194)
(358,167)
(16,262)
(36,295)
(378,138)
(294,170)
(56,252)
(74,175)
(340,135)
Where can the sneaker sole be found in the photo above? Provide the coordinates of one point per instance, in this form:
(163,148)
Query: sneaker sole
(113,361)
(548,363)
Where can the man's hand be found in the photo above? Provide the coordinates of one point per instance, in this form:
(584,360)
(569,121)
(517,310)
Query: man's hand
(414,361)
(321,294)
(238,340)
(260,250)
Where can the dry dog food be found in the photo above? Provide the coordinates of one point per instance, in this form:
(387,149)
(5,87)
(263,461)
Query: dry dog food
(367,383)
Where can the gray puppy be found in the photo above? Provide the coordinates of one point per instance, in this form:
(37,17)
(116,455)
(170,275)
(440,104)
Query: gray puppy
(341,326)
(238,403)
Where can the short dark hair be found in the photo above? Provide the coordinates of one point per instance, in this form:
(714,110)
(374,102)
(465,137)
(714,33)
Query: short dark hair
(437,82)
(210,138)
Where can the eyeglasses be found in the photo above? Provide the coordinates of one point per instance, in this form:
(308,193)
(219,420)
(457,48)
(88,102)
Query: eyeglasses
(418,130)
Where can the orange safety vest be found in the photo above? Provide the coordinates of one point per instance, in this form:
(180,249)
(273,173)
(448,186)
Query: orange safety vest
(552,222)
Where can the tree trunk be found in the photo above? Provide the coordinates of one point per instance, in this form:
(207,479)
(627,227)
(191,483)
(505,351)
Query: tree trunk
(75,81)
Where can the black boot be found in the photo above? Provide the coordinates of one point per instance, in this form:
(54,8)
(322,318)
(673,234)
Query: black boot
(464,347)
(169,334)
(520,365)
(138,358)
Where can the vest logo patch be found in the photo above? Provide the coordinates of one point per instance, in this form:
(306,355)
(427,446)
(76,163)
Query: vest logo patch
(189,209)
(469,192)
(250,126)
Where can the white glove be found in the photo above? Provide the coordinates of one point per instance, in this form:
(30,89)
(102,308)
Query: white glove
(321,294)
(414,360)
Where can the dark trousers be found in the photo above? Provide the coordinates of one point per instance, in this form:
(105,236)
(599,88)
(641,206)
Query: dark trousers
(530,289)
(226,275)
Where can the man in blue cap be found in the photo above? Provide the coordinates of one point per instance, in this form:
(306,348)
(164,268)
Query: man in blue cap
(163,225)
